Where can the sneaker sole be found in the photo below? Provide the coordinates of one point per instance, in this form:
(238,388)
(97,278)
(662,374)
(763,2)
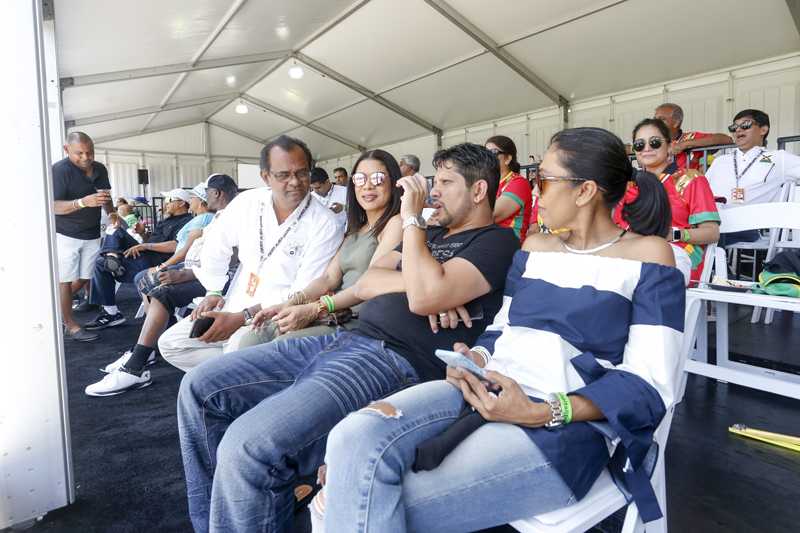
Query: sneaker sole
(121,391)
(104,370)
(109,325)
(90,339)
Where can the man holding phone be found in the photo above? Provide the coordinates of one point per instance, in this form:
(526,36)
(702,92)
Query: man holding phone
(80,189)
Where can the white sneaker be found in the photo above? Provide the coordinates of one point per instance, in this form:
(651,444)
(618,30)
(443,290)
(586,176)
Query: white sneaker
(124,359)
(118,382)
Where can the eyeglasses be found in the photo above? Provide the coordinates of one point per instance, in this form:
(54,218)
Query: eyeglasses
(743,125)
(496,151)
(654,142)
(285,175)
(360,179)
(540,180)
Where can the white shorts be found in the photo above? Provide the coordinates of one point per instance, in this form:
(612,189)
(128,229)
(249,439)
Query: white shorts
(76,257)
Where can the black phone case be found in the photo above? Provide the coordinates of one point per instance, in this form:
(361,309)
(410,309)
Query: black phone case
(201,325)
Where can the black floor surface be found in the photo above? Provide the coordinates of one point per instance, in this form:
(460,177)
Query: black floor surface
(129,476)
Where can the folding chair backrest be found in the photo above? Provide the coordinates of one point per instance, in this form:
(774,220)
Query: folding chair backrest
(760,216)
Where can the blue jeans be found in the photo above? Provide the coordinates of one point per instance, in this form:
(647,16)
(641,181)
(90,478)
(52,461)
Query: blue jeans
(103,284)
(496,475)
(251,422)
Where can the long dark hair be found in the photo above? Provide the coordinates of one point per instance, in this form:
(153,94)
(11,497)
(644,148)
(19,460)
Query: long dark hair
(599,155)
(356,215)
(508,147)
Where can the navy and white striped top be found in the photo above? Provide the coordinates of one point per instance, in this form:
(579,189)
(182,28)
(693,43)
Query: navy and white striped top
(608,329)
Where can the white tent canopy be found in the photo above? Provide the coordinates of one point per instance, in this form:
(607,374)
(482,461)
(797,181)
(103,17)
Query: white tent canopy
(167,76)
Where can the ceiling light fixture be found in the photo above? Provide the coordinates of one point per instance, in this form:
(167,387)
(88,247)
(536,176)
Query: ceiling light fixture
(230,80)
(296,72)
(241,108)
(282,31)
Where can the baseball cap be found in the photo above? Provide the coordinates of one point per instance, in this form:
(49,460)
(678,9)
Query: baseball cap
(176,194)
(199,190)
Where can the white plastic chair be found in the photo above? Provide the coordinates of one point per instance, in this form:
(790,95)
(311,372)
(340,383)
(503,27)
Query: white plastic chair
(780,240)
(604,498)
(784,215)
(766,243)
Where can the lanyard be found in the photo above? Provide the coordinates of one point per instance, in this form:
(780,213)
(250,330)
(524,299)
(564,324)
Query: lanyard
(736,166)
(505,180)
(285,233)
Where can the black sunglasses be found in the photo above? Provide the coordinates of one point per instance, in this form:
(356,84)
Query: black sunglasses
(744,125)
(654,142)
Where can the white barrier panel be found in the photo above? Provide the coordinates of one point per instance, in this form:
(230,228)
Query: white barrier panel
(35,465)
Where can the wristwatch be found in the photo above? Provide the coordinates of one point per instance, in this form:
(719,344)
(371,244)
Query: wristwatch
(557,412)
(248,316)
(415,220)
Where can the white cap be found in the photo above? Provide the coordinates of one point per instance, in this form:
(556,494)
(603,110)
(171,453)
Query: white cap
(177,194)
(200,190)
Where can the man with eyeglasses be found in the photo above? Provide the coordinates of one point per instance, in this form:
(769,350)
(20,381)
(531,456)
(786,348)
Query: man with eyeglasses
(751,174)
(284,239)
(251,424)
(122,257)
(684,141)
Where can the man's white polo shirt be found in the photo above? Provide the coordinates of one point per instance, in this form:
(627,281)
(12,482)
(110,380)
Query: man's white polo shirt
(761,174)
(300,257)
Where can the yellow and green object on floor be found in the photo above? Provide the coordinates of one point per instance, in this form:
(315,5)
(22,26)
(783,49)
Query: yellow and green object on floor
(777,439)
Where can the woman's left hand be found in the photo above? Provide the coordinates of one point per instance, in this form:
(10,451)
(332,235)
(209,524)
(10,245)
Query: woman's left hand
(296,317)
(510,405)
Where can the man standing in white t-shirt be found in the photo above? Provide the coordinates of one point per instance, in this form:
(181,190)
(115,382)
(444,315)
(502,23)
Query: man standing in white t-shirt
(751,174)
(284,238)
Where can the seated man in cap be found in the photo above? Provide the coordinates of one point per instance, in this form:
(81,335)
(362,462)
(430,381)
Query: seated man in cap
(177,287)
(121,257)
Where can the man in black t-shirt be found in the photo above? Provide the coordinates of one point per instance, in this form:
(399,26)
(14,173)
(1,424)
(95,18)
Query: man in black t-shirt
(122,258)
(80,189)
(457,269)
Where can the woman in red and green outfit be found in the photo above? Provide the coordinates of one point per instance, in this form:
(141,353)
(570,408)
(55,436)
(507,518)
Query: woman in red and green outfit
(513,206)
(695,220)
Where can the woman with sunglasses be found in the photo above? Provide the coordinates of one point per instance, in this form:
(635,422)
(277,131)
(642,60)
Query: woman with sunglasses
(604,348)
(514,199)
(695,219)
(373,229)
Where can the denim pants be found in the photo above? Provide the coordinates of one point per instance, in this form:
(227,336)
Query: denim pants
(496,475)
(103,283)
(251,422)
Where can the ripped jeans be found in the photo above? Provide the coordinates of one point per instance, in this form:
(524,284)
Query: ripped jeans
(251,422)
(495,476)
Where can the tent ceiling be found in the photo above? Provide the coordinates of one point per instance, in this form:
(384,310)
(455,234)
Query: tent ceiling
(378,71)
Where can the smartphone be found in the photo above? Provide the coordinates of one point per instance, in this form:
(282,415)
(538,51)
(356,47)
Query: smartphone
(460,360)
(200,326)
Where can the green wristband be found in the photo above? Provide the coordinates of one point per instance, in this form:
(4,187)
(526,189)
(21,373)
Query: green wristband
(213,293)
(329,303)
(566,406)
(685,236)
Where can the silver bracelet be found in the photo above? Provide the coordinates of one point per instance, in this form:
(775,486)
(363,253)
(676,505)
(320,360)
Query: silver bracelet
(483,352)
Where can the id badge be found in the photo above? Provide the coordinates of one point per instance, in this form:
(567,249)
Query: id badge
(737,195)
(252,284)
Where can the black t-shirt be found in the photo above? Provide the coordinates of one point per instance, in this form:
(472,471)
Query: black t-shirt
(387,317)
(71,183)
(167,230)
